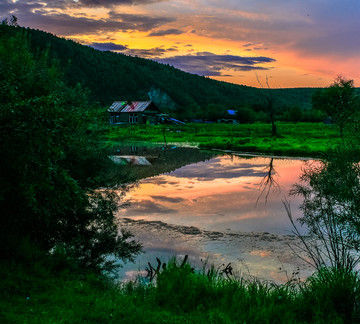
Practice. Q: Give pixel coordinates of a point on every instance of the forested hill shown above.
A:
(111, 76)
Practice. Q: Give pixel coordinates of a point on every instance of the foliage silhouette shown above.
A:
(331, 212)
(340, 101)
(51, 159)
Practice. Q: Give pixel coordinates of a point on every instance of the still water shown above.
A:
(225, 193)
(238, 197)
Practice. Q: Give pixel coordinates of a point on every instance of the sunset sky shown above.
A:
(303, 43)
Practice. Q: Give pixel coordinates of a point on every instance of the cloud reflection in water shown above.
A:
(218, 194)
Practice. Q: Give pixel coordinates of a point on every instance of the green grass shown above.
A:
(35, 288)
(43, 292)
(300, 139)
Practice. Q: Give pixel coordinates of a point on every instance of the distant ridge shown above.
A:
(111, 76)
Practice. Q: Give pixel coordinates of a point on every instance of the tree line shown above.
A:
(114, 76)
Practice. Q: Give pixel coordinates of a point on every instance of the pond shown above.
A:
(228, 208)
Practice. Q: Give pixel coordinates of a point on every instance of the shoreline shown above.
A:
(199, 146)
(260, 255)
(303, 139)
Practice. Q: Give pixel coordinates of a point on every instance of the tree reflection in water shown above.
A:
(269, 182)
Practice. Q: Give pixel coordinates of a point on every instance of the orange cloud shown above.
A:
(310, 42)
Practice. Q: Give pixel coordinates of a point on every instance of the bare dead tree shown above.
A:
(268, 99)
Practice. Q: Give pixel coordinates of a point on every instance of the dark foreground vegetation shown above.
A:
(59, 241)
(51, 291)
(52, 163)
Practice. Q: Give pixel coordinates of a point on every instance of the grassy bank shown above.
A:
(301, 139)
(43, 292)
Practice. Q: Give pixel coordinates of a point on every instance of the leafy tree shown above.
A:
(339, 101)
(215, 111)
(293, 114)
(50, 158)
(313, 115)
(331, 211)
(161, 99)
(246, 115)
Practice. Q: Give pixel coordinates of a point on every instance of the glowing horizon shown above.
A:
(303, 44)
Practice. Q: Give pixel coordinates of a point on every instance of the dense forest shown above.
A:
(113, 76)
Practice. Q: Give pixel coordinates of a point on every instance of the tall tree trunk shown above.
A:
(273, 128)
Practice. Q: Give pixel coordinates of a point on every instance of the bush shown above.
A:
(331, 293)
(50, 162)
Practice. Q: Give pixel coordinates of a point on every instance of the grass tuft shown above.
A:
(180, 294)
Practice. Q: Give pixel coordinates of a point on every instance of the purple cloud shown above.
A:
(150, 53)
(147, 207)
(166, 32)
(209, 64)
(108, 46)
(36, 15)
(64, 4)
(168, 199)
(111, 3)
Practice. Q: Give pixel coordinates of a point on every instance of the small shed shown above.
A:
(231, 117)
(133, 112)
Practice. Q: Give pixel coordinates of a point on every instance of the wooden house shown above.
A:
(133, 112)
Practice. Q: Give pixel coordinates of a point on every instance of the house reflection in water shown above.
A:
(144, 161)
(130, 159)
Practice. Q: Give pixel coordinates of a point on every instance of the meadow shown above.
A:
(293, 139)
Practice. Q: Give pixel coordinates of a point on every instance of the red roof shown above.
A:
(134, 106)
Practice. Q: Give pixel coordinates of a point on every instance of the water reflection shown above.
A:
(235, 204)
(225, 193)
(142, 161)
(269, 181)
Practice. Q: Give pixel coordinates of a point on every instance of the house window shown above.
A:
(133, 118)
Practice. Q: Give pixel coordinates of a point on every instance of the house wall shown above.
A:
(118, 118)
(134, 118)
